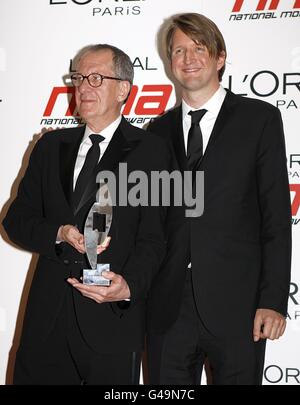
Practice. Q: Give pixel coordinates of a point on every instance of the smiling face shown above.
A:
(100, 106)
(193, 67)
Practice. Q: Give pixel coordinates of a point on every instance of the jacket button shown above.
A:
(66, 261)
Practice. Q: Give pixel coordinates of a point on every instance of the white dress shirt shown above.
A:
(86, 143)
(213, 106)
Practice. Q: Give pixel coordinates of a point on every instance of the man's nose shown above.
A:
(189, 56)
(84, 85)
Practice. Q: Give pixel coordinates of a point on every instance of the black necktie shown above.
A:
(87, 171)
(195, 141)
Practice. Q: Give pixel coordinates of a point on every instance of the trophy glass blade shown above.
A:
(91, 237)
(98, 224)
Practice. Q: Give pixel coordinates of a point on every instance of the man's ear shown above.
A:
(124, 90)
(221, 60)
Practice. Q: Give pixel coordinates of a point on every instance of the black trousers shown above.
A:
(64, 358)
(178, 356)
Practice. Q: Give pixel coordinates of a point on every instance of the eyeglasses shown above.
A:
(94, 79)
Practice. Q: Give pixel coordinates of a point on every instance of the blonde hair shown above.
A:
(201, 30)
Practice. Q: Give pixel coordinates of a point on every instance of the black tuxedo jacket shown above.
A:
(241, 246)
(136, 250)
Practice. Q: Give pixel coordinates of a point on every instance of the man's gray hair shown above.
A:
(123, 66)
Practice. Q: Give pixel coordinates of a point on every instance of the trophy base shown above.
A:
(94, 276)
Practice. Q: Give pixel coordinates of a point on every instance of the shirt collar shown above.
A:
(213, 105)
(106, 132)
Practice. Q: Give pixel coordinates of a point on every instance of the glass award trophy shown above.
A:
(96, 229)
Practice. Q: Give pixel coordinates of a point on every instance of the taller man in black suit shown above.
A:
(223, 287)
(74, 333)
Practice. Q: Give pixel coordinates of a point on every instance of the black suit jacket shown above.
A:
(136, 250)
(241, 246)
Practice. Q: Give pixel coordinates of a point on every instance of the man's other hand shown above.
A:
(71, 235)
(268, 324)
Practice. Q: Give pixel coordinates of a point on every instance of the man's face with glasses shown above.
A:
(99, 93)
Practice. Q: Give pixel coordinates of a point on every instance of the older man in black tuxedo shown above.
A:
(75, 333)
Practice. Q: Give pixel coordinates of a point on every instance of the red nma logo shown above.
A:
(153, 101)
(262, 4)
(295, 188)
(161, 98)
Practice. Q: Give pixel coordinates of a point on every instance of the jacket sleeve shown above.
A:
(275, 208)
(25, 222)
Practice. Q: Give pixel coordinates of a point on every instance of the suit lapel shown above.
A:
(178, 138)
(67, 158)
(123, 141)
(219, 128)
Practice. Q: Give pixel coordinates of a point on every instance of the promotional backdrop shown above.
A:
(39, 38)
